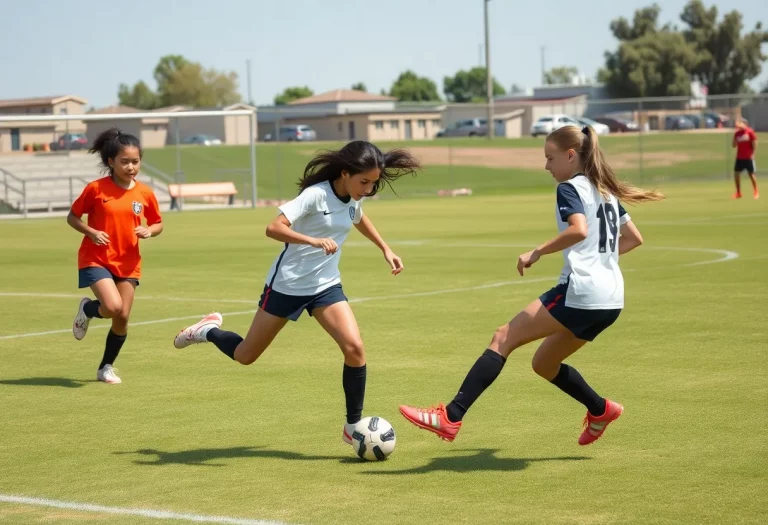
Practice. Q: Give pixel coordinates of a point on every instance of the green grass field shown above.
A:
(191, 432)
(694, 156)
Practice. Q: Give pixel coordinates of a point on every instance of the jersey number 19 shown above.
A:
(607, 213)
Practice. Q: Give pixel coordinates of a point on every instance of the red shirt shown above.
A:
(117, 212)
(744, 138)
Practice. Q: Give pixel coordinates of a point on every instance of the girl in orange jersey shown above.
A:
(109, 262)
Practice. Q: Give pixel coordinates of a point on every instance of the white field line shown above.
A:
(250, 312)
(129, 511)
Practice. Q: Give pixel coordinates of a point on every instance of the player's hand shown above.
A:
(142, 232)
(329, 246)
(527, 260)
(395, 262)
(99, 238)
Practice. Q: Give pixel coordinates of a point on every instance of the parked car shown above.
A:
(474, 127)
(549, 123)
(202, 140)
(70, 141)
(721, 121)
(600, 129)
(709, 122)
(678, 122)
(618, 125)
(300, 132)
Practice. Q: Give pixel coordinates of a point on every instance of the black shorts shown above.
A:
(92, 274)
(291, 306)
(747, 165)
(584, 324)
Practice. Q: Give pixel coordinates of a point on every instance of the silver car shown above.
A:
(474, 127)
(299, 132)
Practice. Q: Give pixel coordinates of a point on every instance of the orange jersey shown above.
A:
(117, 212)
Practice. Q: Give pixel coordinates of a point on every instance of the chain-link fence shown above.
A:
(207, 158)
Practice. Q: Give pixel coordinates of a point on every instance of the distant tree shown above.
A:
(139, 96)
(181, 82)
(290, 94)
(560, 75)
(469, 86)
(409, 87)
(725, 59)
(515, 89)
(359, 87)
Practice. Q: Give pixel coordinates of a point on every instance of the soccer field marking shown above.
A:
(129, 511)
(247, 312)
(143, 297)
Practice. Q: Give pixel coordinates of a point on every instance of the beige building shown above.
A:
(151, 132)
(352, 115)
(231, 129)
(15, 135)
(157, 132)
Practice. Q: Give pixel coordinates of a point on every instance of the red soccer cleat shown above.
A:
(594, 426)
(756, 195)
(737, 195)
(434, 419)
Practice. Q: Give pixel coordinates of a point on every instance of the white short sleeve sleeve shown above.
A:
(624, 217)
(358, 213)
(300, 206)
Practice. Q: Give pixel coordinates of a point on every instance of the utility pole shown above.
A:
(248, 75)
(489, 79)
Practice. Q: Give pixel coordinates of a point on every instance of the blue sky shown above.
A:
(88, 48)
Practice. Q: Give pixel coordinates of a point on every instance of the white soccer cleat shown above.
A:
(107, 374)
(196, 333)
(346, 434)
(81, 322)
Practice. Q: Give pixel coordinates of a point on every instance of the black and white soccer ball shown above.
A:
(373, 439)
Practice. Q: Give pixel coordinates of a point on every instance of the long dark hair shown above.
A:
(356, 157)
(111, 142)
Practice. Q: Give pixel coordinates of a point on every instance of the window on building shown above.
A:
(422, 123)
(341, 127)
(394, 124)
(436, 122)
(379, 124)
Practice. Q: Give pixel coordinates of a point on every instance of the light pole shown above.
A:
(489, 77)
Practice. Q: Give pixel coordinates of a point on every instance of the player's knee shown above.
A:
(112, 309)
(541, 366)
(354, 350)
(247, 355)
(501, 336)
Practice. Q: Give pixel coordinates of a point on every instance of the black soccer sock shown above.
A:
(484, 372)
(353, 381)
(91, 309)
(569, 380)
(112, 348)
(225, 341)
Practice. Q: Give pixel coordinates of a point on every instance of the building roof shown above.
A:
(39, 101)
(342, 95)
(111, 110)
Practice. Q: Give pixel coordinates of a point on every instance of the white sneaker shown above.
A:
(108, 375)
(80, 325)
(196, 333)
(346, 434)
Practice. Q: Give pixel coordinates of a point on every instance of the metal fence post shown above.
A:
(24, 196)
(71, 200)
(640, 138)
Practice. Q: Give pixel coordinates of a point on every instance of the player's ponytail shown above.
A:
(596, 168)
(356, 157)
(111, 142)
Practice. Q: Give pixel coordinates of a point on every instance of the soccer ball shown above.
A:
(373, 439)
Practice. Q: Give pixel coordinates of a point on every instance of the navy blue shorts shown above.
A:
(584, 324)
(88, 276)
(747, 165)
(291, 306)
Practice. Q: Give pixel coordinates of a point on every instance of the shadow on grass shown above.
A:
(483, 459)
(205, 456)
(63, 382)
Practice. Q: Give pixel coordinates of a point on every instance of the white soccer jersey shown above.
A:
(592, 265)
(317, 212)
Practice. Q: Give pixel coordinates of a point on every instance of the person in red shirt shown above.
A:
(745, 142)
(109, 261)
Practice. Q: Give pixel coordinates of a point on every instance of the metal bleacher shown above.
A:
(50, 182)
